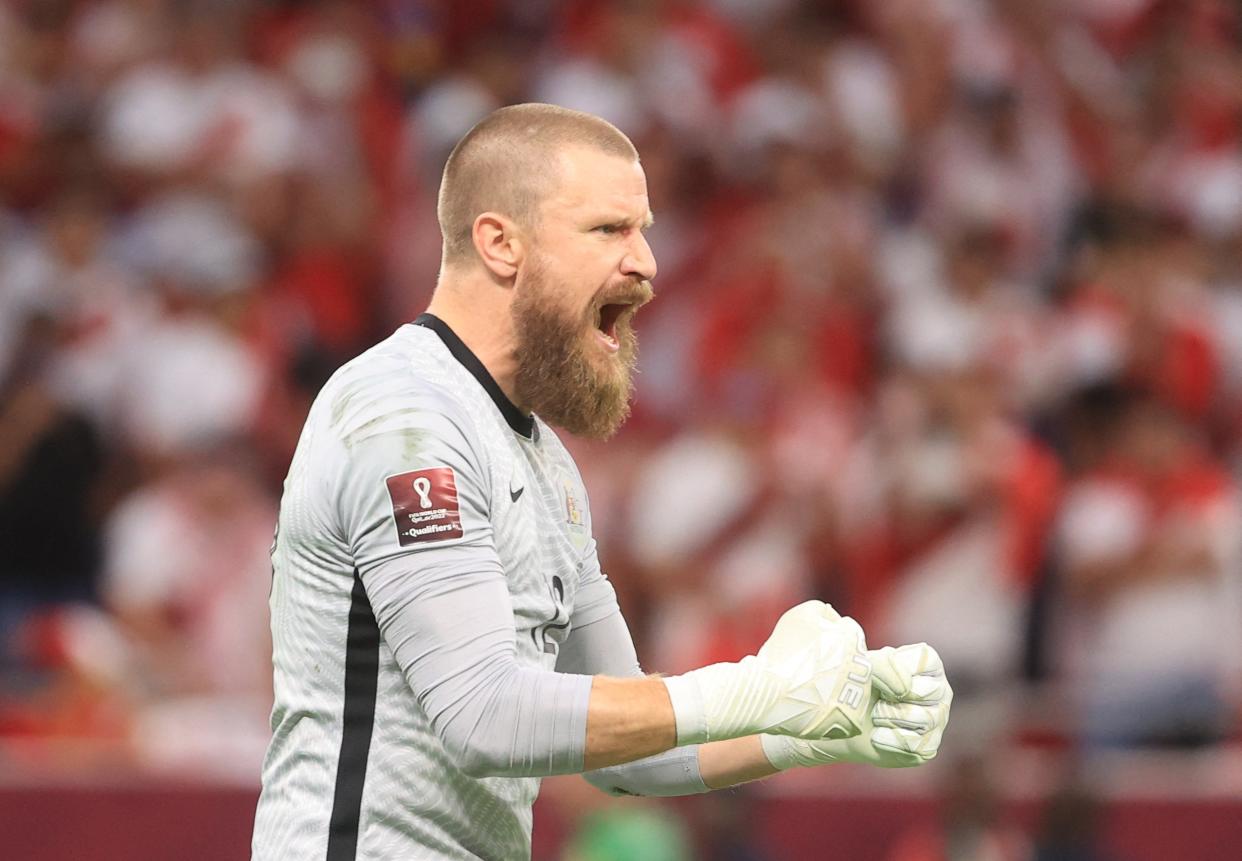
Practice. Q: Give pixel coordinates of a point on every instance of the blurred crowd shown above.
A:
(948, 333)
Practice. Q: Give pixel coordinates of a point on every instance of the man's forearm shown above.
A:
(628, 719)
(632, 719)
(687, 770)
(733, 761)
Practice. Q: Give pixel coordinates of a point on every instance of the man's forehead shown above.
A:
(593, 178)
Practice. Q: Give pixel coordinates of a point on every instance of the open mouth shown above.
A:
(606, 319)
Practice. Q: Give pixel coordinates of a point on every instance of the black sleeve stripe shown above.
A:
(361, 683)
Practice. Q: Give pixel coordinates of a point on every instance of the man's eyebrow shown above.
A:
(627, 221)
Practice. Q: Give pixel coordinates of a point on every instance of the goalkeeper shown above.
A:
(443, 635)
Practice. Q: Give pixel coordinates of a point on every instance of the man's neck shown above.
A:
(482, 325)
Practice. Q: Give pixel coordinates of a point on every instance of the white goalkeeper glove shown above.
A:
(812, 678)
(907, 712)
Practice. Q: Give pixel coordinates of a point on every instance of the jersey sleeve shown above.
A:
(600, 643)
(595, 598)
(414, 509)
(412, 481)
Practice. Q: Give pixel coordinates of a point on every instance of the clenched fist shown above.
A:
(907, 711)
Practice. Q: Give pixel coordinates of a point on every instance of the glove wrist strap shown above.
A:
(689, 709)
(779, 750)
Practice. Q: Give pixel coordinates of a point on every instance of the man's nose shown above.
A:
(639, 260)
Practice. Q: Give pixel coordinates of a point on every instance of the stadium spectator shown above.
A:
(1149, 553)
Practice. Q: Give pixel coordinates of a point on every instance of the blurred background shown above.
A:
(948, 333)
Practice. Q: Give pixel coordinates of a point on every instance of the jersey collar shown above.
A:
(518, 420)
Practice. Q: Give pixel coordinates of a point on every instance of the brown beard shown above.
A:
(557, 377)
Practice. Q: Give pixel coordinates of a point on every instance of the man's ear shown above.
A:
(499, 244)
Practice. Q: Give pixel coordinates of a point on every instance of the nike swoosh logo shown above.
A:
(514, 494)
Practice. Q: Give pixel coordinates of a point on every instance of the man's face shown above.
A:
(586, 274)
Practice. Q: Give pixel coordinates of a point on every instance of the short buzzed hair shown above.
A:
(507, 164)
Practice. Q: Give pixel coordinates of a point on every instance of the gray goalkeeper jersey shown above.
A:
(433, 551)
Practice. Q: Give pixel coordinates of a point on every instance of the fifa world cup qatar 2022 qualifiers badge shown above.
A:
(424, 505)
